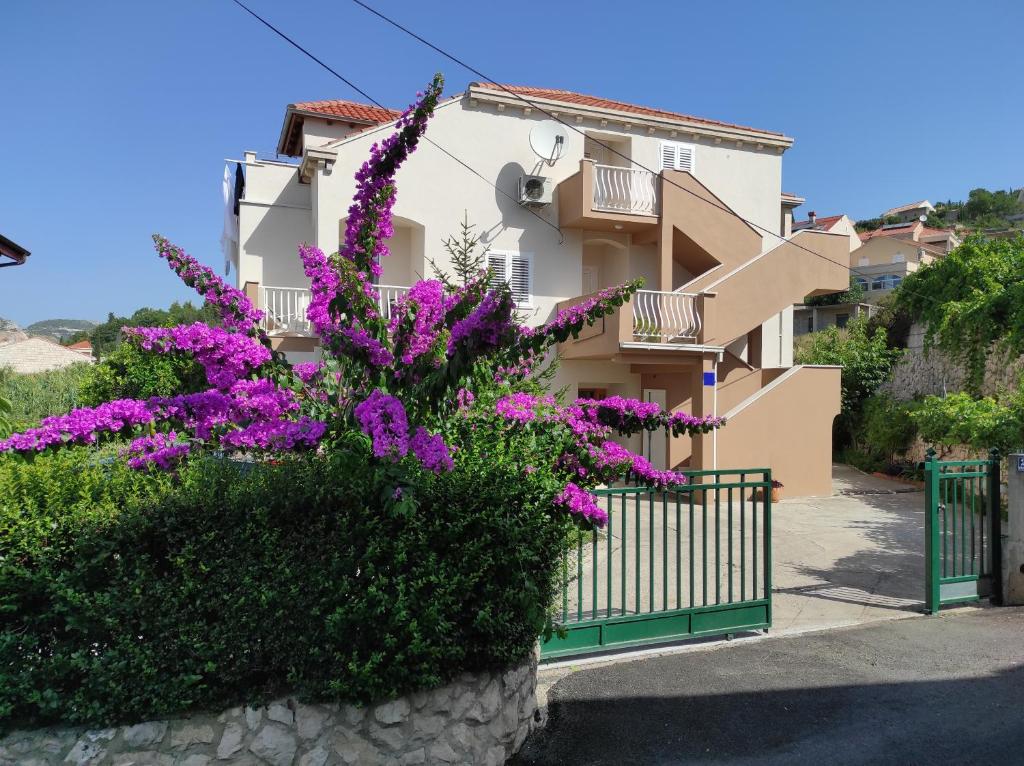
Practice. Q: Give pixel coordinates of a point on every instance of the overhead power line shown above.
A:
(540, 108)
(377, 103)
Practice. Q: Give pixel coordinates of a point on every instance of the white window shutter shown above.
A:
(520, 269)
(496, 263)
(668, 155)
(516, 270)
(677, 156)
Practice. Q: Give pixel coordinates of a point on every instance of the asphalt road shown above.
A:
(945, 689)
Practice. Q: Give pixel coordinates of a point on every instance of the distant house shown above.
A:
(911, 212)
(83, 347)
(882, 263)
(11, 253)
(837, 224)
(813, 318)
(943, 239)
(38, 355)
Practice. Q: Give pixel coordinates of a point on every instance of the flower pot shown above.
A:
(776, 494)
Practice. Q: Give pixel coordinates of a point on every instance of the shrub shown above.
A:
(887, 427)
(867, 362)
(124, 601)
(980, 423)
(129, 373)
(35, 396)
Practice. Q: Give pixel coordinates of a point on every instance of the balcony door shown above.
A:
(655, 443)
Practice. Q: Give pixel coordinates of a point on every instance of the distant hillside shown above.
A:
(7, 325)
(58, 329)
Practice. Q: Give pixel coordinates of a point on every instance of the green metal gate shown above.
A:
(692, 560)
(963, 527)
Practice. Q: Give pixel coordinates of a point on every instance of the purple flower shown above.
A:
(226, 356)
(161, 450)
(382, 417)
(431, 451)
(580, 502)
(235, 309)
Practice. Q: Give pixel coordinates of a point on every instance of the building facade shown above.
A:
(632, 193)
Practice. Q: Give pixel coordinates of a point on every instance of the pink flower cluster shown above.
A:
(486, 325)
(580, 502)
(382, 417)
(80, 426)
(251, 414)
(226, 356)
(161, 450)
(369, 217)
(425, 306)
(235, 309)
(431, 451)
(521, 407)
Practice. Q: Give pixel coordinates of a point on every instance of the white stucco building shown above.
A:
(636, 193)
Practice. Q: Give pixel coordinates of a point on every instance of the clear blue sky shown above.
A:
(117, 115)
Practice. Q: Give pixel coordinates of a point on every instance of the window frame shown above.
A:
(509, 257)
(676, 145)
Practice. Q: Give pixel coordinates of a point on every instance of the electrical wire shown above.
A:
(377, 103)
(613, 150)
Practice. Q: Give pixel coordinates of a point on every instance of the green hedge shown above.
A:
(127, 596)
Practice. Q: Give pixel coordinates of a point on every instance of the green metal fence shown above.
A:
(962, 531)
(692, 560)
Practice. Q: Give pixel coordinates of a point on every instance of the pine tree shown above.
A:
(466, 262)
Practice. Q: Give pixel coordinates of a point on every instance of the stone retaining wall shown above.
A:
(477, 719)
(921, 373)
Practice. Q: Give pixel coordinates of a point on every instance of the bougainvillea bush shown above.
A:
(386, 517)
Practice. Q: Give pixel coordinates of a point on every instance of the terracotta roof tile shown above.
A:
(571, 97)
(348, 110)
(823, 223)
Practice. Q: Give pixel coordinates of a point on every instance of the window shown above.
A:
(810, 323)
(899, 258)
(676, 156)
(886, 282)
(517, 270)
(842, 320)
(592, 393)
(862, 282)
(862, 262)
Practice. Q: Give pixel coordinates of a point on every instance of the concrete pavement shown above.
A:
(854, 557)
(924, 690)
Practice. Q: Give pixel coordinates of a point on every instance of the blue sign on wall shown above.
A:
(709, 378)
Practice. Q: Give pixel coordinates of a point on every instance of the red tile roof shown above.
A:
(571, 97)
(915, 229)
(823, 223)
(83, 344)
(347, 110)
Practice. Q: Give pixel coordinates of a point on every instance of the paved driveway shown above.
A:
(943, 689)
(854, 557)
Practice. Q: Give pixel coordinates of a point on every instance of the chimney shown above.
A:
(811, 216)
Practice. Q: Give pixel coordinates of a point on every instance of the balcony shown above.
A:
(652, 321)
(609, 198)
(284, 308)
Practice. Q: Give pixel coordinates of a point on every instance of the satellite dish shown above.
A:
(548, 140)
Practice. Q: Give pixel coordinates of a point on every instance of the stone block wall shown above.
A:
(922, 373)
(477, 719)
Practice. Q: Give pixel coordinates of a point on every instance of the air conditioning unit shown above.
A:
(536, 190)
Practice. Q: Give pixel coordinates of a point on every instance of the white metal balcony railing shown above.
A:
(625, 190)
(660, 317)
(285, 308)
(389, 296)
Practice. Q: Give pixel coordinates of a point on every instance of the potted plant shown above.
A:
(776, 490)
